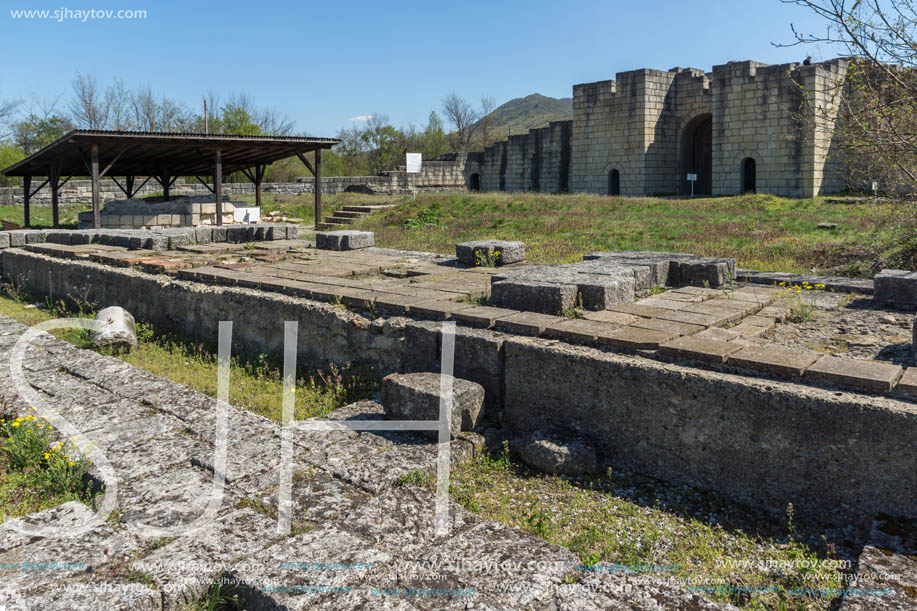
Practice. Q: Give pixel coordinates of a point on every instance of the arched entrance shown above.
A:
(474, 182)
(614, 183)
(697, 153)
(749, 175)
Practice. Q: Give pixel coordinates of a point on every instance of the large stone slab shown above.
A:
(416, 396)
(527, 323)
(699, 349)
(501, 252)
(776, 360)
(896, 288)
(868, 376)
(344, 240)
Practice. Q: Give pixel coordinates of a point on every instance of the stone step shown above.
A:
(340, 220)
(350, 213)
(367, 209)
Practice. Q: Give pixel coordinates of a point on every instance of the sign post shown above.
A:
(692, 178)
(413, 164)
(875, 191)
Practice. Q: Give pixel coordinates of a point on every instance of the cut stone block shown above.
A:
(634, 338)
(17, 238)
(618, 319)
(581, 331)
(719, 334)
(723, 314)
(438, 310)
(658, 324)
(699, 349)
(603, 292)
(774, 359)
(896, 288)
(662, 304)
(639, 309)
(344, 240)
(908, 382)
(481, 316)
(533, 296)
(4, 240)
(709, 271)
(416, 396)
(748, 330)
(527, 323)
(695, 318)
(501, 252)
(868, 376)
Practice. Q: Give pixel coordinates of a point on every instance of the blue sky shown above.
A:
(322, 63)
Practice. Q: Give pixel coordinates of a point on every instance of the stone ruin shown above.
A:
(604, 279)
(154, 213)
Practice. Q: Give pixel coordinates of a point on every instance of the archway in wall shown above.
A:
(749, 175)
(474, 182)
(614, 183)
(697, 153)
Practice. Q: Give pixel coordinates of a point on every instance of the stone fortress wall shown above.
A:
(742, 127)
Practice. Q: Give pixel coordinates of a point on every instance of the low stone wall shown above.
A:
(763, 442)
(837, 456)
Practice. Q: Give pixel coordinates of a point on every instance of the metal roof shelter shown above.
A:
(163, 157)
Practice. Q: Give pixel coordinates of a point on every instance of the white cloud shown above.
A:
(361, 118)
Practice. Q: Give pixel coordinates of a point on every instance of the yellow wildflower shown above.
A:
(15, 424)
(70, 463)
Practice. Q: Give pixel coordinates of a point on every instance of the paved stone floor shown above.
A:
(355, 529)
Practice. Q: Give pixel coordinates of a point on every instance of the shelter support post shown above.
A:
(318, 187)
(26, 196)
(218, 184)
(54, 178)
(96, 195)
(259, 178)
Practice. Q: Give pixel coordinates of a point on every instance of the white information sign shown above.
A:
(413, 162)
(692, 177)
(875, 186)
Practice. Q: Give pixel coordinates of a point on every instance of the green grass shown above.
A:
(255, 381)
(625, 520)
(762, 232)
(40, 216)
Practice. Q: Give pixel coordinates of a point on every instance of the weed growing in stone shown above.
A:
(37, 472)
(486, 258)
(415, 478)
(801, 300)
(222, 595)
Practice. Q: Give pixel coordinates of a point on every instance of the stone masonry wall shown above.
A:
(837, 456)
(642, 124)
(536, 161)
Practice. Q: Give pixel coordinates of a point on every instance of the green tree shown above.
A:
(433, 141)
(34, 132)
(9, 154)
